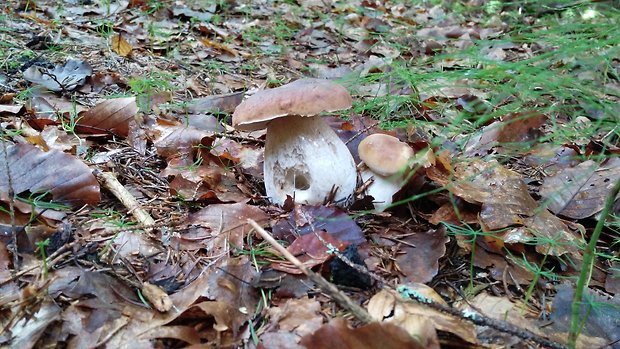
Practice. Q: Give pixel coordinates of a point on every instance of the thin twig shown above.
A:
(124, 196)
(330, 289)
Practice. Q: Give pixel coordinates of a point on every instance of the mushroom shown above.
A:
(304, 158)
(387, 162)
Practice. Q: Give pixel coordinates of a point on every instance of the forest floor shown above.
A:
(127, 196)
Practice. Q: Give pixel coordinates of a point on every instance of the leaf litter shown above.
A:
(491, 225)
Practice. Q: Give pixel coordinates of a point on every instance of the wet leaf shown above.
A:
(66, 178)
(310, 250)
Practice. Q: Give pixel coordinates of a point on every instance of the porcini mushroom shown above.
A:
(387, 162)
(304, 158)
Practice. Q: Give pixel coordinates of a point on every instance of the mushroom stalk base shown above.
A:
(304, 158)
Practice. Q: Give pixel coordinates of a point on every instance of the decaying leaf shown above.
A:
(63, 77)
(66, 178)
(580, 191)
(300, 316)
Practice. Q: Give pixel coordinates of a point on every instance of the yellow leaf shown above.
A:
(121, 46)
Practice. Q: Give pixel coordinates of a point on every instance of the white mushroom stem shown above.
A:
(382, 188)
(304, 158)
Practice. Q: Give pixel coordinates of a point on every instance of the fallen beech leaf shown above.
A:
(580, 192)
(337, 334)
(121, 46)
(112, 115)
(218, 46)
(173, 139)
(10, 109)
(599, 315)
(68, 179)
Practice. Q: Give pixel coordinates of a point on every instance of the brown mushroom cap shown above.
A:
(385, 155)
(305, 97)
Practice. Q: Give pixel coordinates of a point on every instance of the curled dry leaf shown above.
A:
(66, 178)
(62, 78)
(157, 297)
(580, 192)
(112, 115)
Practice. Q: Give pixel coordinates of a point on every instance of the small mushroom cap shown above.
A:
(385, 155)
(304, 97)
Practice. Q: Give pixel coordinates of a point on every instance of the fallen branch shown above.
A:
(330, 289)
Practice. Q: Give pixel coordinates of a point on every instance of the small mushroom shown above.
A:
(387, 162)
(304, 158)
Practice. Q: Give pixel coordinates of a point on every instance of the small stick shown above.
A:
(342, 299)
(124, 196)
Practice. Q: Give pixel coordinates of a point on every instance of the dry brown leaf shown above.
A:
(338, 334)
(121, 46)
(112, 115)
(65, 177)
(388, 306)
(310, 250)
(419, 255)
(580, 192)
(300, 316)
(506, 203)
(219, 227)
